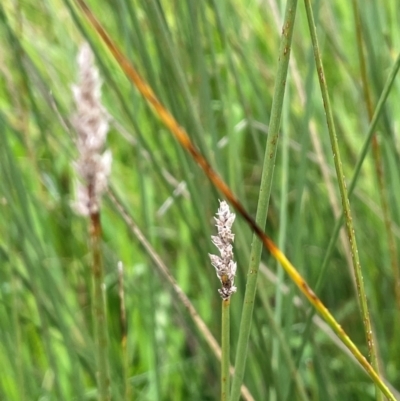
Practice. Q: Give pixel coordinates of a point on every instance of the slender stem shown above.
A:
(343, 191)
(264, 196)
(376, 151)
(335, 232)
(164, 271)
(282, 342)
(99, 310)
(225, 348)
(372, 127)
(124, 331)
(16, 307)
(282, 230)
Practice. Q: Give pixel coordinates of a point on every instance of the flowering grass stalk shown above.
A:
(226, 269)
(93, 167)
(165, 273)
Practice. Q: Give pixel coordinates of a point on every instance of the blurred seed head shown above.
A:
(91, 124)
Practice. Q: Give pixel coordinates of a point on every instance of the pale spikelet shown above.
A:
(91, 125)
(224, 264)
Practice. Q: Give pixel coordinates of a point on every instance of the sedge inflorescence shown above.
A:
(91, 124)
(224, 265)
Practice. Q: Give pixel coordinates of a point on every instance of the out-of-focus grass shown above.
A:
(213, 66)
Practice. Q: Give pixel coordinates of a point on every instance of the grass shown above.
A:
(213, 65)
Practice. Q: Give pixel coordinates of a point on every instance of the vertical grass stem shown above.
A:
(225, 349)
(99, 310)
(343, 191)
(264, 195)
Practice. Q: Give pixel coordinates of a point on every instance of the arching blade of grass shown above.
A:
(181, 135)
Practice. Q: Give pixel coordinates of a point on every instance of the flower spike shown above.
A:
(224, 265)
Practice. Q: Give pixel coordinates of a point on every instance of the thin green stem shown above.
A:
(282, 229)
(343, 191)
(285, 349)
(18, 343)
(264, 196)
(376, 151)
(225, 348)
(377, 154)
(124, 332)
(166, 274)
(99, 310)
(335, 232)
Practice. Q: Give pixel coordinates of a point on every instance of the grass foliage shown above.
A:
(213, 65)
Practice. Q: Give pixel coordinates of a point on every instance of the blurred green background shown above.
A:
(213, 64)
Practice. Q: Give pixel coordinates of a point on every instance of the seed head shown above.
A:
(91, 125)
(224, 265)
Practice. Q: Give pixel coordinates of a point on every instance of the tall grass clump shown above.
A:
(284, 110)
